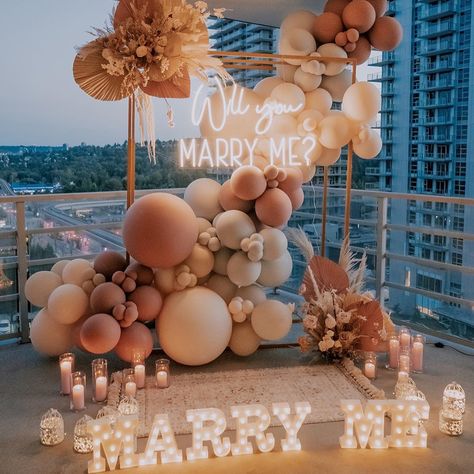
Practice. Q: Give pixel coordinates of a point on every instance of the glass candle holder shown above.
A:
(404, 337)
(51, 428)
(454, 398)
(405, 387)
(451, 422)
(162, 373)
(127, 406)
(111, 413)
(129, 386)
(66, 368)
(83, 442)
(370, 365)
(100, 380)
(393, 352)
(78, 390)
(404, 360)
(138, 364)
(417, 350)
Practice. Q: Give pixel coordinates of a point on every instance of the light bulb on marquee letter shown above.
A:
(407, 431)
(166, 445)
(291, 423)
(246, 428)
(210, 432)
(117, 443)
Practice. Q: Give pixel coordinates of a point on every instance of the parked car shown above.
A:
(5, 327)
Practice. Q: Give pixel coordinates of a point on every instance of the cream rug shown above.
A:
(321, 385)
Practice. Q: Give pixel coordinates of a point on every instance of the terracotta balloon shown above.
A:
(380, 7)
(362, 50)
(241, 271)
(40, 285)
(148, 301)
(386, 34)
(203, 197)
(109, 262)
(200, 261)
(229, 201)
(326, 27)
(362, 102)
(67, 303)
(273, 208)
(137, 336)
(276, 272)
(48, 336)
(294, 180)
(265, 86)
(222, 286)
(271, 320)
(297, 198)
(106, 296)
(220, 260)
(160, 230)
(359, 14)
(329, 156)
(144, 274)
(337, 85)
(232, 227)
(244, 340)
(336, 6)
(253, 293)
(248, 183)
(319, 100)
(100, 333)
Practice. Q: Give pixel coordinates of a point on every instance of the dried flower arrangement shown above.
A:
(339, 318)
(151, 48)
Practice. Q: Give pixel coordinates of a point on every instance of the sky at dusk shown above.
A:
(40, 104)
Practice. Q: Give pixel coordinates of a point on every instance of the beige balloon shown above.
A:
(203, 197)
(298, 19)
(244, 340)
(221, 258)
(306, 81)
(58, 267)
(68, 303)
(319, 100)
(241, 271)
(271, 320)
(203, 224)
(200, 261)
(286, 72)
(253, 293)
(337, 85)
(77, 271)
(221, 285)
(362, 102)
(274, 243)
(232, 227)
(265, 87)
(332, 50)
(335, 131)
(296, 42)
(290, 95)
(164, 280)
(370, 148)
(328, 156)
(276, 272)
(40, 285)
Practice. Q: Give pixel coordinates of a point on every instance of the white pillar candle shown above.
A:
(66, 370)
(417, 356)
(369, 370)
(78, 397)
(404, 363)
(100, 389)
(405, 340)
(394, 350)
(140, 375)
(162, 379)
(131, 389)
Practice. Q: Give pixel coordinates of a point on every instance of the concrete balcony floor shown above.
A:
(29, 386)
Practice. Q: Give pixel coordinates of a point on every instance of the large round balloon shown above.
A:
(248, 183)
(40, 285)
(221, 285)
(148, 301)
(298, 19)
(386, 34)
(100, 333)
(244, 340)
(203, 197)
(200, 261)
(332, 50)
(160, 230)
(58, 267)
(229, 201)
(194, 326)
(276, 272)
(77, 271)
(362, 102)
(296, 42)
(335, 131)
(291, 96)
(274, 243)
(326, 27)
(67, 303)
(48, 336)
(253, 293)
(144, 275)
(370, 147)
(265, 86)
(137, 336)
(242, 271)
(359, 14)
(337, 85)
(105, 296)
(271, 320)
(232, 227)
(109, 262)
(319, 100)
(273, 208)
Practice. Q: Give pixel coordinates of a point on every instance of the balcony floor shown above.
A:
(28, 387)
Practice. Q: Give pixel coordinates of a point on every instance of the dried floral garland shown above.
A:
(339, 318)
(151, 48)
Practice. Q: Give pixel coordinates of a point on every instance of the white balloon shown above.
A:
(276, 272)
(68, 303)
(203, 197)
(298, 19)
(319, 100)
(307, 81)
(274, 243)
(203, 224)
(271, 320)
(233, 226)
(369, 148)
(297, 42)
(244, 340)
(265, 87)
(362, 102)
(40, 285)
(332, 50)
(337, 85)
(290, 95)
(242, 271)
(194, 326)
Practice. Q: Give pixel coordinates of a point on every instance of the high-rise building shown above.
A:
(427, 89)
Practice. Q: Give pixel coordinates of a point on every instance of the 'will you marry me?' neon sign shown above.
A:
(231, 150)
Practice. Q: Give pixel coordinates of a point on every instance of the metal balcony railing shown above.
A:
(82, 225)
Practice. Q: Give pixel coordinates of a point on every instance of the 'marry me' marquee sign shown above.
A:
(115, 445)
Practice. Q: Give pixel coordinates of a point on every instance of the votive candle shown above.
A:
(370, 365)
(66, 368)
(99, 380)
(78, 389)
(129, 385)
(405, 338)
(162, 373)
(417, 353)
(394, 352)
(138, 364)
(404, 361)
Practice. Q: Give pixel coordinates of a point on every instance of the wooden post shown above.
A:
(131, 152)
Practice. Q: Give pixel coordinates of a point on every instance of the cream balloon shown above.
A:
(276, 272)
(242, 271)
(203, 197)
(265, 87)
(221, 258)
(48, 336)
(77, 271)
(221, 285)
(332, 50)
(232, 227)
(308, 172)
(164, 280)
(40, 285)
(58, 267)
(203, 224)
(200, 261)
(286, 72)
(319, 100)
(244, 340)
(362, 102)
(68, 303)
(282, 125)
(274, 243)
(271, 320)
(296, 42)
(298, 19)
(290, 95)
(253, 293)
(328, 156)
(194, 326)
(306, 81)
(335, 131)
(337, 85)
(369, 148)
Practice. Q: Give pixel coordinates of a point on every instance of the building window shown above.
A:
(426, 238)
(460, 169)
(426, 253)
(459, 187)
(429, 283)
(458, 244)
(427, 219)
(439, 256)
(439, 240)
(456, 258)
(458, 223)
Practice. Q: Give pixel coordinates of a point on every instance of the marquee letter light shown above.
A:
(365, 423)
(291, 422)
(167, 444)
(207, 432)
(121, 439)
(407, 427)
(246, 428)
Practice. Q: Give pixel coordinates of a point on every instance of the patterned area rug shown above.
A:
(321, 385)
